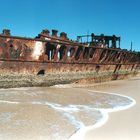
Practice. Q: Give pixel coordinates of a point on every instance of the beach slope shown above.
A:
(122, 125)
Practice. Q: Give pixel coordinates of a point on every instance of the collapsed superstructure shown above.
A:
(53, 54)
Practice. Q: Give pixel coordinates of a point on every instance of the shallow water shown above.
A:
(54, 113)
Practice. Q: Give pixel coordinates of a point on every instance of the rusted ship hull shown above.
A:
(59, 60)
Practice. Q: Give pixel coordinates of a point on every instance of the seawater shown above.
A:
(42, 114)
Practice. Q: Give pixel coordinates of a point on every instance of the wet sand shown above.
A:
(58, 112)
(122, 125)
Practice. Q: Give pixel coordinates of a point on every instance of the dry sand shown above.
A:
(122, 125)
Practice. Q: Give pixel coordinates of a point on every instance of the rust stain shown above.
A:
(59, 53)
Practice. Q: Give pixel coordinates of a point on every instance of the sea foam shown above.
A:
(105, 115)
(68, 112)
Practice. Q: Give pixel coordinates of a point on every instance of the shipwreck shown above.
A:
(51, 59)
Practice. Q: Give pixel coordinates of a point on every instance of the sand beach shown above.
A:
(68, 112)
(121, 125)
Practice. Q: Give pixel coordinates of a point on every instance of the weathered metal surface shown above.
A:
(59, 54)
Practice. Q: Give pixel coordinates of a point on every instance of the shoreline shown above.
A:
(121, 123)
(79, 134)
(105, 112)
(72, 105)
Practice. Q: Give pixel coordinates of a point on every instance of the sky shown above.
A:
(75, 17)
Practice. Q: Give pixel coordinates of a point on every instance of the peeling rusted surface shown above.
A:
(53, 54)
